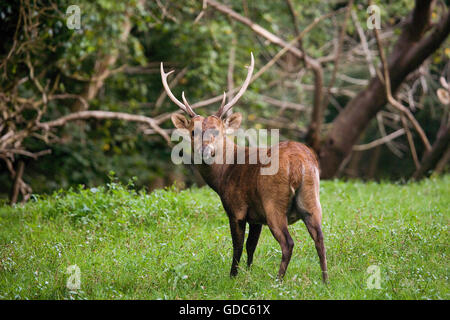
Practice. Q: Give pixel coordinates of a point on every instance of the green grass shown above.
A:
(174, 244)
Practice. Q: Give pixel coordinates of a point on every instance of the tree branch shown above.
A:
(311, 63)
(390, 98)
(313, 136)
(84, 115)
(383, 140)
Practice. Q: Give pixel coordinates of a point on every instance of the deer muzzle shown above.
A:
(208, 151)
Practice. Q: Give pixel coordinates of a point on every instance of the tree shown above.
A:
(82, 95)
(416, 43)
(418, 40)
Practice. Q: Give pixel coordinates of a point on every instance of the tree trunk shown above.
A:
(432, 157)
(440, 167)
(373, 166)
(352, 170)
(17, 180)
(407, 55)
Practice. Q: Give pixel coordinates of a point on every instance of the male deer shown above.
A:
(292, 193)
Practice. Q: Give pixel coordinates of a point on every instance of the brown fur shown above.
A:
(274, 200)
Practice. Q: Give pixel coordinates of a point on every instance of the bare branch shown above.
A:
(283, 104)
(310, 62)
(364, 44)
(337, 54)
(70, 96)
(410, 142)
(230, 73)
(389, 143)
(202, 12)
(383, 140)
(84, 115)
(391, 99)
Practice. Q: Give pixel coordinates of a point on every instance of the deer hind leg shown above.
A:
(314, 229)
(277, 222)
(252, 241)
(307, 202)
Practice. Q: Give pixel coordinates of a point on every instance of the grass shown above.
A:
(174, 244)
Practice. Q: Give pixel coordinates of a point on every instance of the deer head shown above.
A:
(213, 129)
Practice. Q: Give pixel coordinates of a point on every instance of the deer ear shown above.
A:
(233, 122)
(180, 121)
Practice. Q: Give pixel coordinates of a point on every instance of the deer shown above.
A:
(249, 197)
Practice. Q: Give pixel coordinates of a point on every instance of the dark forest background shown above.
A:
(79, 104)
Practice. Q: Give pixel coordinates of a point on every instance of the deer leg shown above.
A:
(252, 241)
(281, 234)
(308, 204)
(237, 234)
(315, 231)
(278, 224)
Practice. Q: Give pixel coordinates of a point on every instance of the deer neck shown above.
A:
(214, 173)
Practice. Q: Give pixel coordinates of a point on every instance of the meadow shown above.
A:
(176, 244)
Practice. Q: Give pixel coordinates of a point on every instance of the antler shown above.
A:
(224, 108)
(183, 106)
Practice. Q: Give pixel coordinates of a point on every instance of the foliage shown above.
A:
(173, 244)
(166, 31)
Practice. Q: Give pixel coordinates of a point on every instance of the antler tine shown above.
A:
(224, 108)
(218, 113)
(223, 100)
(186, 108)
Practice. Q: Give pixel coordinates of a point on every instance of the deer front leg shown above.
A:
(252, 241)
(237, 234)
